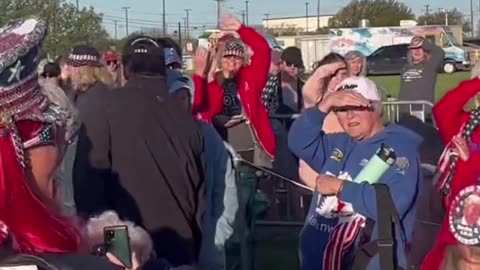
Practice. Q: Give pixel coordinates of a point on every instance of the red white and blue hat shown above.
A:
(84, 55)
(20, 93)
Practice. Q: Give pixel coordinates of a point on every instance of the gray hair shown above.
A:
(140, 240)
(57, 97)
(356, 54)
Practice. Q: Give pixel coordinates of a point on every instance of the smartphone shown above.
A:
(117, 242)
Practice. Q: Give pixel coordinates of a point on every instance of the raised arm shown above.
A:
(436, 55)
(307, 140)
(314, 87)
(208, 94)
(449, 112)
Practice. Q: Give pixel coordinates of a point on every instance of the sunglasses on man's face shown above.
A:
(288, 64)
(109, 63)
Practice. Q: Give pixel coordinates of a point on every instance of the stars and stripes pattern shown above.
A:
(79, 60)
(448, 159)
(341, 239)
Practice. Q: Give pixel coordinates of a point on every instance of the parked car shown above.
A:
(390, 60)
(387, 60)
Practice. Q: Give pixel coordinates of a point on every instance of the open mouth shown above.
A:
(354, 124)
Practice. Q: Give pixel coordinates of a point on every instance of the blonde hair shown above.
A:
(353, 55)
(140, 240)
(86, 76)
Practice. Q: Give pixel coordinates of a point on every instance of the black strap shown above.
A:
(387, 217)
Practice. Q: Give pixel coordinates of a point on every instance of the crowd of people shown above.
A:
(96, 140)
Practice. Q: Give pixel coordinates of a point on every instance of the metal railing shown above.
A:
(392, 109)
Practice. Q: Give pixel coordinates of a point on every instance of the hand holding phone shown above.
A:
(117, 245)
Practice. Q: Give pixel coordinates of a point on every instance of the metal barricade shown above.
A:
(241, 250)
(392, 111)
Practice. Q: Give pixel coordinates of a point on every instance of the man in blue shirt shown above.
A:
(340, 207)
(222, 198)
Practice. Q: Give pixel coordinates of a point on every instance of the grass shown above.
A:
(445, 83)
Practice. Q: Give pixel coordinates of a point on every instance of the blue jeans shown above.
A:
(222, 201)
(64, 176)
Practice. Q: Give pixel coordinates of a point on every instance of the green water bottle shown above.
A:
(377, 165)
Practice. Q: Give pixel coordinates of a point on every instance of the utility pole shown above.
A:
(126, 19)
(427, 10)
(219, 11)
(243, 16)
(306, 16)
(318, 15)
(266, 19)
(115, 23)
(164, 22)
(78, 6)
(471, 18)
(187, 23)
(184, 28)
(180, 34)
(445, 12)
(246, 12)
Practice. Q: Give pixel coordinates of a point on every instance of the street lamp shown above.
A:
(306, 16)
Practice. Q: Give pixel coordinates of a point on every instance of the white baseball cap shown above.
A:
(362, 85)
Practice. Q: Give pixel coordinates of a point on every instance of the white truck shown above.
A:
(367, 40)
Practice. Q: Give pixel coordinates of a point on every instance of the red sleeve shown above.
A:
(449, 113)
(199, 95)
(207, 98)
(257, 72)
(215, 98)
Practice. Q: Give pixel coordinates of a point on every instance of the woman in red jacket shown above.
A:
(235, 92)
(459, 167)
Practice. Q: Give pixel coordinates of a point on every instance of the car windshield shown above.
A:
(452, 39)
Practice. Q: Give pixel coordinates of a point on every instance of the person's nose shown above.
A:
(350, 115)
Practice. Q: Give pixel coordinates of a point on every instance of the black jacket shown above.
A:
(141, 154)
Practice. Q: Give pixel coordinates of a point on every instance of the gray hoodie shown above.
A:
(418, 80)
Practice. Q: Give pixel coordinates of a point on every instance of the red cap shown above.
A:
(110, 56)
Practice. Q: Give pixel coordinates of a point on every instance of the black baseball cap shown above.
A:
(293, 56)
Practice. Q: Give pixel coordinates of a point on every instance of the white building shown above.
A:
(303, 24)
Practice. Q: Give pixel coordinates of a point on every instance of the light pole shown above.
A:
(164, 22)
(219, 11)
(246, 12)
(318, 14)
(306, 16)
(187, 26)
(266, 19)
(471, 18)
(126, 18)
